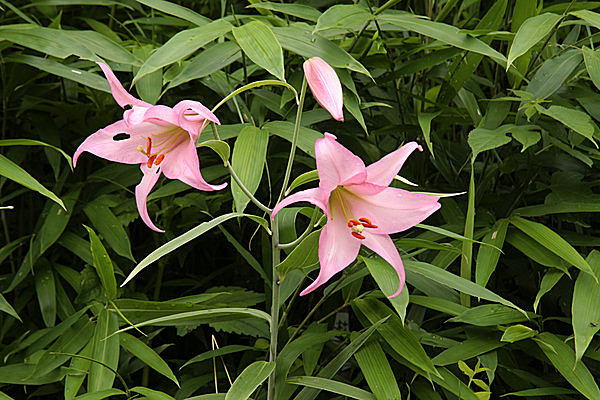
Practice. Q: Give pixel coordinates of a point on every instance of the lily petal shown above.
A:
(313, 196)
(122, 96)
(383, 171)
(337, 165)
(337, 249)
(142, 190)
(325, 86)
(161, 115)
(191, 115)
(392, 210)
(181, 162)
(385, 247)
(103, 144)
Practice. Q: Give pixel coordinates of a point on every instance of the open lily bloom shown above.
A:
(159, 138)
(360, 206)
(325, 86)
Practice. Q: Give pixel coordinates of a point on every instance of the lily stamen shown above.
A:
(151, 161)
(358, 235)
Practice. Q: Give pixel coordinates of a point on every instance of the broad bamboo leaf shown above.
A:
(7, 308)
(151, 394)
(46, 294)
(260, 44)
(467, 349)
(377, 371)
(387, 280)
(250, 378)
(489, 315)
(176, 10)
(488, 256)
(248, 161)
(532, 31)
(517, 332)
(329, 385)
(109, 227)
(297, 10)
(585, 307)
(303, 255)
(106, 351)
(146, 354)
(103, 265)
(344, 16)
(576, 120)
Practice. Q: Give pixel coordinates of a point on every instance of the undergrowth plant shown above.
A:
(271, 247)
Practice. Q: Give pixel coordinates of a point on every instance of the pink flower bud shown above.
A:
(325, 86)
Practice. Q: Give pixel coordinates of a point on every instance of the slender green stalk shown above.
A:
(237, 179)
(288, 170)
(306, 232)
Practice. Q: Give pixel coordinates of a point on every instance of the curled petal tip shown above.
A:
(325, 86)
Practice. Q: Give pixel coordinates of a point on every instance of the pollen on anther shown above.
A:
(149, 145)
(357, 235)
(159, 159)
(365, 220)
(151, 161)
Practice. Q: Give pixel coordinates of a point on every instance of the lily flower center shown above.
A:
(356, 225)
(156, 149)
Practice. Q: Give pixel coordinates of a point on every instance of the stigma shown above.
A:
(357, 228)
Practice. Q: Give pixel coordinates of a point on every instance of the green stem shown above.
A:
(237, 180)
(288, 170)
(274, 327)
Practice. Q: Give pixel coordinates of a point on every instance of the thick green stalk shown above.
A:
(276, 256)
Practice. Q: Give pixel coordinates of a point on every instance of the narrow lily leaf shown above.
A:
(103, 265)
(7, 308)
(73, 382)
(250, 378)
(342, 357)
(488, 256)
(248, 161)
(387, 280)
(303, 255)
(329, 385)
(218, 146)
(101, 394)
(140, 350)
(378, 373)
(545, 391)
(31, 142)
(106, 351)
(180, 241)
(449, 279)
(306, 177)
(489, 315)
(109, 227)
(260, 44)
(46, 294)
(181, 45)
(553, 242)
(176, 10)
(562, 356)
(550, 279)
(532, 31)
(234, 348)
(15, 173)
(465, 350)
(297, 10)
(585, 307)
(151, 394)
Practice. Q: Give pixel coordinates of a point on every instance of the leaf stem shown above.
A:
(306, 232)
(237, 180)
(274, 326)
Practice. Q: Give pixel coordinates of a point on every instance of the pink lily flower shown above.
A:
(360, 206)
(325, 86)
(159, 138)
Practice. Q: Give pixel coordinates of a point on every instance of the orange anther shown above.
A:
(151, 161)
(350, 224)
(370, 226)
(149, 146)
(353, 222)
(159, 159)
(365, 221)
(357, 235)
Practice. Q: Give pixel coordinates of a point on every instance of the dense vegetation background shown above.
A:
(502, 95)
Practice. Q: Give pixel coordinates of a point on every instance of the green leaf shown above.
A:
(302, 41)
(260, 45)
(221, 351)
(31, 142)
(562, 357)
(332, 386)
(182, 45)
(151, 394)
(101, 394)
(306, 177)
(73, 382)
(553, 74)
(445, 33)
(545, 391)
(351, 17)
(527, 135)
(109, 227)
(180, 241)
(15, 173)
(449, 279)
(590, 17)
(210, 60)
(377, 371)
(396, 334)
(250, 378)
(218, 146)
(176, 10)
(489, 314)
(488, 256)
(550, 279)
(303, 255)
(106, 351)
(481, 139)
(553, 242)
(342, 357)
(146, 354)
(425, 124)
(103, 265)
(517, 332)
(585, 307)
(7, 308)
(248, 161)
(592, 64)
(467, 349)
(576, 120)
(46, 294)
(535, 251)
(387, 280)
(306, 137)
(532, 31)
(297, 10)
